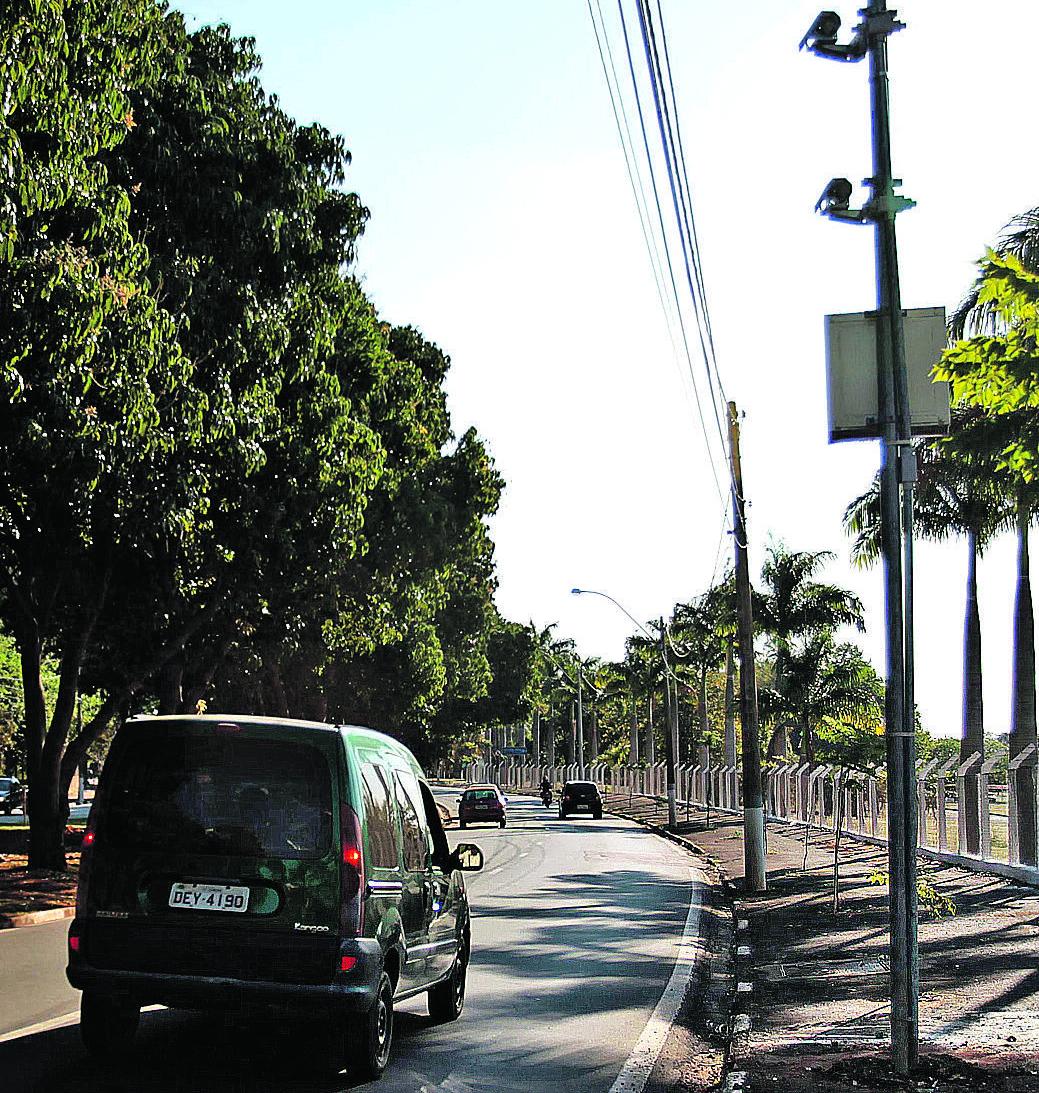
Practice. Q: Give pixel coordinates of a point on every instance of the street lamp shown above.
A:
(669, 739)
(898, 472)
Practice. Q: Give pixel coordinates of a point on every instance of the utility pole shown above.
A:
(580, 718)
(633, 752)
(669, 736)
(897, 475)
(753, 798)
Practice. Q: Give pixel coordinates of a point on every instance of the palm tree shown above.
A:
(823, 679)
(794, 608)
(975, 315)
(699, 640)
(981, 314)
(954, 495)
(647, 671)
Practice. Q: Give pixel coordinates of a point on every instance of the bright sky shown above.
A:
(504, 227)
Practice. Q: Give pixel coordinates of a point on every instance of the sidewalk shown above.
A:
(811, 998)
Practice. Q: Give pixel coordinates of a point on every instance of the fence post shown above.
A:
(922, 774)
(1013, 830)
(961, 797)
(817, 784)
(942, 797)
(984, 811)
(803, 790)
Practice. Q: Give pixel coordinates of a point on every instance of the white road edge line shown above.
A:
(41, 1026)
(636, 1071)
(54, 1023)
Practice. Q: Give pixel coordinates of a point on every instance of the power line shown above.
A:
(664, 237)
(678, 202)
(642, 203)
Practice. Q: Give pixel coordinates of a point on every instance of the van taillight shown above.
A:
(86, 854)
(351, 874)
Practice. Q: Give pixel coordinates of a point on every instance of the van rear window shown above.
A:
(220, 795)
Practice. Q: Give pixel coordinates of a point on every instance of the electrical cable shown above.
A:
(674, 154)
(664, 239)
(667, 141)
(684, 175)
(635, 180)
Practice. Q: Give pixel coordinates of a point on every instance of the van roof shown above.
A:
(358, 734)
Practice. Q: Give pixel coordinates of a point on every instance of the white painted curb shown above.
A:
(636, 1071)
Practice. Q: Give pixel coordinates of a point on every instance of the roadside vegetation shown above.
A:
(227, 482)
(225, 479)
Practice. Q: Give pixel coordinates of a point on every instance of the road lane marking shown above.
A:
(636, 1071)
(41, 1026)
(53, 1023)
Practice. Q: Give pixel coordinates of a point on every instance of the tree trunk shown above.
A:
(280, 701)
(633, 745)
(701, 705)
(593, 735)
(973, 739)
(730, 707)
(170, 686)
(47, 805)
(651, 743)
(1022, 725)
(838, 813)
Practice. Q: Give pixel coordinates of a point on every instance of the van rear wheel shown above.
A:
(370, 1035)
(446, 999)
(107, 1025)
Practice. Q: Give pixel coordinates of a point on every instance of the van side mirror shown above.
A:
(468, 857)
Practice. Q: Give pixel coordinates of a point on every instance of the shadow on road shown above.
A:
(179, 1052)
(550, 964)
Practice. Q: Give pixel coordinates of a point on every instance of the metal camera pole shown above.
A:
(897, 475)
(898, 472)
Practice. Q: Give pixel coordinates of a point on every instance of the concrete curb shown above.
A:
(35, 918)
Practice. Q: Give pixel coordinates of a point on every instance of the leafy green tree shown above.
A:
(856, 747)
(93, 409)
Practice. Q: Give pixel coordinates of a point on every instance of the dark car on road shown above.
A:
(249, 864)
(580, 797)
(12, 795)
(482, 805)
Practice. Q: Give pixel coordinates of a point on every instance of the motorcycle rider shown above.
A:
(546, 790)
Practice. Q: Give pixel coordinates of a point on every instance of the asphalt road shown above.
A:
(576, 928)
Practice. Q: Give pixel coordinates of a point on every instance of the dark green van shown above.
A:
(248, 862)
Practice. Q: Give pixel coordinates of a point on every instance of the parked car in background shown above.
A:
(258, 864)
(482, 804)
(580, 798)
(12, 795)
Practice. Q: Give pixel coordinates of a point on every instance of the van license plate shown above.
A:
(209, 897)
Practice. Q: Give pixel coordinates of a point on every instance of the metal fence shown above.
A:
(819, 796)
